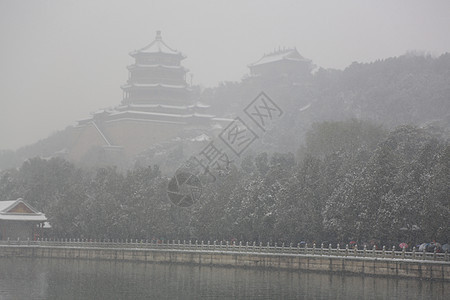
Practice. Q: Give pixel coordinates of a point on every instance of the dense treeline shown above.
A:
(351, 181)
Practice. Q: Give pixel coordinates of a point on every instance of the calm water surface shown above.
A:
(24, 278)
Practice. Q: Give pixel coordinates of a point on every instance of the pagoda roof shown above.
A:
(290, 54)
(156, 66)
(163, 85)
(157, 46)
(19, 210)
(144, 113)
(149, 106)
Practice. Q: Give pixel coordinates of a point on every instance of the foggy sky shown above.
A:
(61, 60)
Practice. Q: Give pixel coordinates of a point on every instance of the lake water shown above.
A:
(25, 278)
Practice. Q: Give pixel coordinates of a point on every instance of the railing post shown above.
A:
(214, 245)
(355, 250)
(298, 248)
(338, 249)
(403, 252)
(268, 245)
(246, 246)
(228, 244)
(365, 250)
(321, 248)
(329, 249)
(282, 247)
(414, 252)
(393, 251)
(384, 251)
(374, 250)
(434, 253)
(424, 254)
(260, 246)
(314, 249)
(240, 245)
(254, 244)
(346, 249)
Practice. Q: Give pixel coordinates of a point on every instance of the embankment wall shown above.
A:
(436, 270)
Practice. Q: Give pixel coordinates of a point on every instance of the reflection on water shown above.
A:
(22, 278)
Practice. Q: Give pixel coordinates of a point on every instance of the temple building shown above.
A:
(158, 105)
(157, 76)
(18, 220)
(286, 62)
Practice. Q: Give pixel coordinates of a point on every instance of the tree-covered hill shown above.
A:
(407, 90)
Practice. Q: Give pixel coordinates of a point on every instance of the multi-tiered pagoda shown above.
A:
(156, 76)
(158, 105)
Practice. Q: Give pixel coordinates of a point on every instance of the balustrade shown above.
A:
(242, 247)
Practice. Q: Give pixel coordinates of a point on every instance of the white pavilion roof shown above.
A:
(157, 46)
(7, 212)
(163, 85)
(285, 54)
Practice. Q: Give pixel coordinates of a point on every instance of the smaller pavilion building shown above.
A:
(286, 63)
(18, 220)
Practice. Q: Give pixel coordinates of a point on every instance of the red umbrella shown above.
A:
(403, 245)
(352, 242)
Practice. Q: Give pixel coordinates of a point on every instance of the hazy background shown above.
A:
(61, 60)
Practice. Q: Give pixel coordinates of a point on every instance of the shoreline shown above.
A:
(366, 266)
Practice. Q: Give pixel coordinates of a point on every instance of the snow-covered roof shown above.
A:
(6, 204)
(157, 46)
(156, 66)
(282, 54)
(173, 86)
(147, 106)
(147, 113)
(137, 119)
(223, 119)
(136, 112)
(198, 104)
(131, 105)
(201, 138)
(195, 114)
(18, 210)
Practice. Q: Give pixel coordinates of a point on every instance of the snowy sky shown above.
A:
(62, 59)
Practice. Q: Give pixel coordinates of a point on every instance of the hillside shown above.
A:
(410, 89)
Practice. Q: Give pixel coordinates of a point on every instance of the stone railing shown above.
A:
(243, 247)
